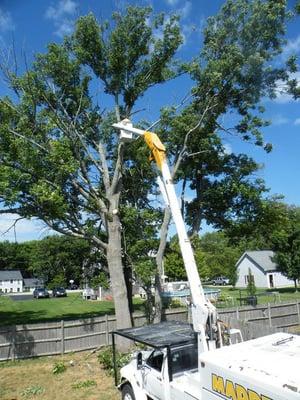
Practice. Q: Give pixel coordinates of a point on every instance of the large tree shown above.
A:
(235, 72)
(60, 159)
(61, 162)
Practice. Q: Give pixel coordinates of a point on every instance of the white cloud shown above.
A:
(227, 149)
(184, 12)
(6, 23)
(292, 47)
(187, 30)
(65, 28)
(172, 3)
(282, 96)
(64, 7)
(62, 16)
(297, 121)
(25, 229)
(279, 120)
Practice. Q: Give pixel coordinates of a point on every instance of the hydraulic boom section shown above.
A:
(204, 315)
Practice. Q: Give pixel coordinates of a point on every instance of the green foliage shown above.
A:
(62, 163)
(56, 259)
(58, 368)
(214, 255)
(251, 288)
(84, 384)
(57, 281)
(32, 391)
(99, 280)
(105, 358)
(286, 244)
(175, 303)
(125, 61)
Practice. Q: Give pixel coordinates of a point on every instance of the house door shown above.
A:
(271, 280)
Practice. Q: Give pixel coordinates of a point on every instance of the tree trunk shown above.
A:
(159, 313)
(118, 284)
(296, 286)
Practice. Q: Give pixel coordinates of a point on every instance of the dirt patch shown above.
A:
(33, 379)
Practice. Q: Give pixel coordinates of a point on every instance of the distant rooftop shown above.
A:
(6, 275)
(262, 258)
(33, 282)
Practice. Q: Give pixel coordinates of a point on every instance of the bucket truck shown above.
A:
(189, 362)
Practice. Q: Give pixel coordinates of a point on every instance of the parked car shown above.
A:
(40, 293)
(73, 287)
(59, 292)
(220, 281)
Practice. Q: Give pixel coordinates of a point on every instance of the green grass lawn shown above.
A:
(71, 307)
(74, 307)
(264, 296)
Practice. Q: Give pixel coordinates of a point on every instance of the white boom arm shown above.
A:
(203, 312)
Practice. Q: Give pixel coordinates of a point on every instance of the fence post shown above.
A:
(62, 336)
(106, 330)
(269, 315)
(13, 343)
(298, 311)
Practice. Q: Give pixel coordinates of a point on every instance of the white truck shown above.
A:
(193, 361)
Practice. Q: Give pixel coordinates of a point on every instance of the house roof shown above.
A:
(262, 259)
(32, 282)
(6, 275)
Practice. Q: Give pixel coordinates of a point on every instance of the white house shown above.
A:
(32, 283)
(11, 281)
(262, 268)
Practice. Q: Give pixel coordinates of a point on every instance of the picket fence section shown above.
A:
(50, 338)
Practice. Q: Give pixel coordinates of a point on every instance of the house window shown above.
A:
(18, 289)
(11, 281)
(11, 289)
(246, 279)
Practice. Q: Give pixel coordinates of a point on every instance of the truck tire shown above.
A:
(127, 392)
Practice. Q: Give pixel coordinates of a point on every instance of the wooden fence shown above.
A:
(24, 341)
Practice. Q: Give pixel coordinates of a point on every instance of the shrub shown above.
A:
(58, 368)
(105, 358)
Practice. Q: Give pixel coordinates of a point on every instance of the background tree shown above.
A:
(287, 246)
(234, 74)
(251, 288)
(258, 231)
(60, 159)
(61, 259)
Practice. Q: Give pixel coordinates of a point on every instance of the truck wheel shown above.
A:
(127, 393)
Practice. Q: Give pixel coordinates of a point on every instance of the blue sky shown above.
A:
(32, 24)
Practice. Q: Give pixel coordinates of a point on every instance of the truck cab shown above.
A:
(172, 369)
(171, 351)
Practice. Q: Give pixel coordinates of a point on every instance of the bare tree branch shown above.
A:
(13, 225)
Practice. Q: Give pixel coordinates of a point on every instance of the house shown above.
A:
(29, 284)
(11, 281)
(263, 269)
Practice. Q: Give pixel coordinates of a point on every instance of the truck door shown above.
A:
(153, 375)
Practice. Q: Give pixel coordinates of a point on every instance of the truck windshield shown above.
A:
(184, 358)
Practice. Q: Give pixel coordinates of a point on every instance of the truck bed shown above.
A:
(269, 365)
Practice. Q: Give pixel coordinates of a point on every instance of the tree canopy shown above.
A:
(286, 244)
(62, 162)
